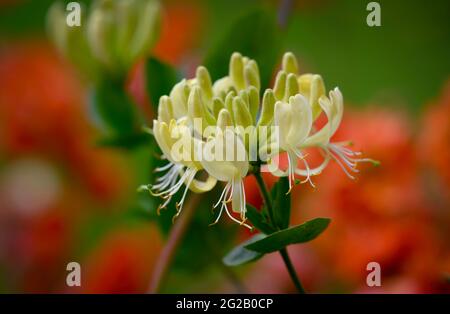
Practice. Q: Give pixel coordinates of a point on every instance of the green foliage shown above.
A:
(127, 141)
(255, 35)
(159, 79)
(240, 255)
(258, 220)
(281, 203)
(113, 108)
(298, 234)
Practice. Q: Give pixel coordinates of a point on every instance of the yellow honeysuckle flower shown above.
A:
(333, 106)
(294, 121)
(179, 148)
(225, 158)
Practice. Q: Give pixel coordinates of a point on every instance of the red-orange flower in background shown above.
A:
(51, 174)
(434, 144)
(123, 261)
(382, 217)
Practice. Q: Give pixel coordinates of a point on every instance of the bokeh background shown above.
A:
(67, 196)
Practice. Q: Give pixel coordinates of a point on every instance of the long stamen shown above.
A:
(165, 167)
(179, 205)
(308, 169)
(345, 157)
(222, 202)
(242, 223)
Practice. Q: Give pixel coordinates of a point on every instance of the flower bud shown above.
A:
(218, 105)
(147, 29)
(229, 103)
(101, 32)
(179, 96)
(197, 110)
(267, 110)
(280, 85)
(165, 112)
(222, 86)
(289, 64)
(253, 101)
(251, 73)
(71, 41)
(237, 71)
(291, 86)
(119, 32)
(312, 87)
(224, 119)
(204, 81)
(242, 116)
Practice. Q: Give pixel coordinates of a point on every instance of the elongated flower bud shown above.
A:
(204, 81)
(251, 74)
(197, 110)
(312, 87)
(71, 41)
(165, 112)
(229, 103)
(242, 116)
(290, 64)
(146, 31)
(291, 86)
(224, 119)
(218, 105)
(179, 96)
(237, 71)
(280, 85)
(253, 102)
(267, 110)
(101, 32)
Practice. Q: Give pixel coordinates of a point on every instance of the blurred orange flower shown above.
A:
(123, 262)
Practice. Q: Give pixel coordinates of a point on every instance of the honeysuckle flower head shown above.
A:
(217, 127)
(112, 35)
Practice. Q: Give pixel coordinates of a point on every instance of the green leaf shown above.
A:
(112, 107)
(298, 234)
(255, 35)
(258, 220)
(281, 203)
(160, 78)
(240, 255)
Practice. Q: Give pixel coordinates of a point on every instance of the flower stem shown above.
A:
(291, 270)
(176, 235)
(283, 252)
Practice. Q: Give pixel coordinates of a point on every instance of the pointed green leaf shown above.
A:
(258, 220)
(298, 234)
(240, 255)
(160, 78)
